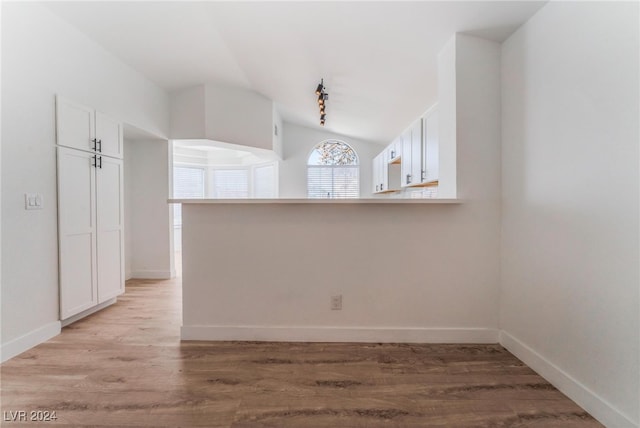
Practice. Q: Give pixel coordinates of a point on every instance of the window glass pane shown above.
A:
(333, 152)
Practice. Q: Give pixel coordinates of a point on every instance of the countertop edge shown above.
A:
(383, 201)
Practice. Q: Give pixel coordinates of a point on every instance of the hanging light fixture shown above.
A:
(322, 98)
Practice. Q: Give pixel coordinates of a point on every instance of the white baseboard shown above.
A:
(599, 408)
(152, 274)
(339, 334)
(24, 343)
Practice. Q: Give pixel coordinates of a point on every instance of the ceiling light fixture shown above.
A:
(322, 98)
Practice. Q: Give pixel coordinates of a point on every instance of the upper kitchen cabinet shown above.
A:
(84, 128)
(430, 147)
(412, 154)
(394, 150)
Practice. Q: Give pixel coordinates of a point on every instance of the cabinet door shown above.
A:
(110, 231)
(109, 136)
(407, 179)
(374, 175)
(384, 171)
(416, 152)
(74, 125)
(393, 150)
(77, 231)
(431, 161)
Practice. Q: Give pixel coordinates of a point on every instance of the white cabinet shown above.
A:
(83, 128)
(90, 210)
(430, 149)
(412, 154)
(375, 174)
(380, 173)
(77, 231)
(411, 159)
(109, 136)
(394, 150)
(109, 222)
(385, 175)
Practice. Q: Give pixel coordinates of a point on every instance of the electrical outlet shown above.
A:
(336, 303)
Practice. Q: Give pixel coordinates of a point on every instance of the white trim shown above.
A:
(339, 334)
(25, 342)
(65, 322)
(598, 407)
(152, 274)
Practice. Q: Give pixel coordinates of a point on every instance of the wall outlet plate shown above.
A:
(336, 303)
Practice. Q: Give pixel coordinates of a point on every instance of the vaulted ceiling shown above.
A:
(378, 59)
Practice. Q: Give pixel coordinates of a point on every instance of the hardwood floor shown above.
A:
(125, 366)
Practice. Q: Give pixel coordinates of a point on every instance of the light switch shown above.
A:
(32, 201)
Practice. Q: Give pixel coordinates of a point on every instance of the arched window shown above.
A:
(333, 171)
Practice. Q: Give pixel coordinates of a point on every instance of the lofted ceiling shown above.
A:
(378, 59)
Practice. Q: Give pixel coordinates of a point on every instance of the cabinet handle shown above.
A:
(382, 187)
(393, 154)
(423, 175)
(100, 162)
(99, 144)
(95, 161)
(95, 144)
(376, 187)
(408, 178)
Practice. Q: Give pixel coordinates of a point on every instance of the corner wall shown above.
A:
(43, 56)
(569, 298)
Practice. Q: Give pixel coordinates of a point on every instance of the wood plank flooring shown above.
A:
(125, 366)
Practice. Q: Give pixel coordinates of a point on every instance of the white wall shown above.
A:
(298, 141)
(150, 220)
(238, 116)
(188, 113)
(447, 186)
(406, 273)
(278, 140)
(41, 56)
(127, 189)
(569, 300)
(223, 113)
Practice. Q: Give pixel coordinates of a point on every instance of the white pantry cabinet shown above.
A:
(77, 231)
(83, 128)
(90, 213)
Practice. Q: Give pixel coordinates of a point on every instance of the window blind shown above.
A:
(231, 183)
(187, 183)
(333, 181)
